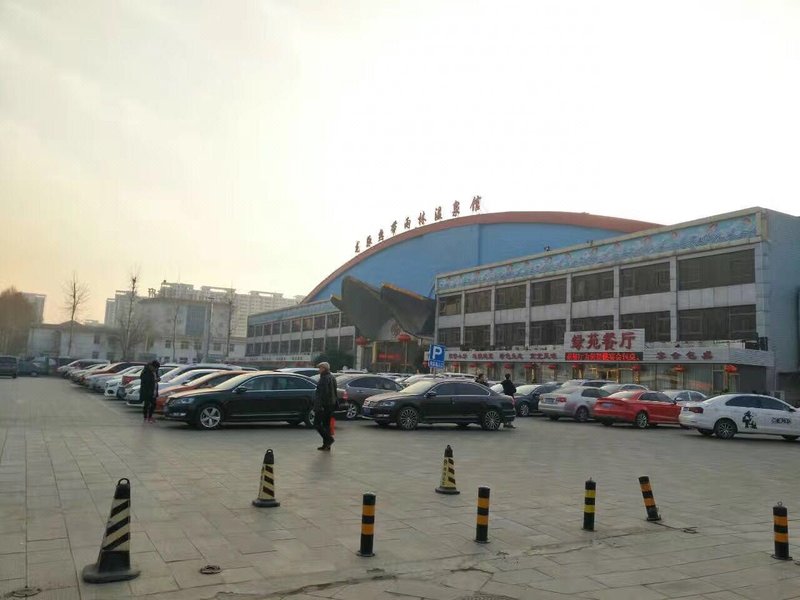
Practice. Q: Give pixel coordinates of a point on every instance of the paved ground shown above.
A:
(63, 449)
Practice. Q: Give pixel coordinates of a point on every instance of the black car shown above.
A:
(527, 397)
(436, 401)
(8, 366)
(258, 396)
(31, 368)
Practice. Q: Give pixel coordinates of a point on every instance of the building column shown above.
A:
(618, 297)
(673, 305)
(569, 303)
(528, 314)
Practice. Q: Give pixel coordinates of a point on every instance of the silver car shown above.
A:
(575, 402)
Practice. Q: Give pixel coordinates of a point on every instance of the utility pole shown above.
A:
(208, 330)
(230, 323)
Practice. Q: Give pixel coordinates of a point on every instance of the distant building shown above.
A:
(88, 341)
(37, 301)
(111, 312)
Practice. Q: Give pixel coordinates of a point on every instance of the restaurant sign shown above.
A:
(616, 345)
(509, 356)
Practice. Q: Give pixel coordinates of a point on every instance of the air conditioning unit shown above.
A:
(779, 394)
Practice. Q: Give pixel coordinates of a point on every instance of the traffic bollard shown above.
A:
(448, 482)
(780, 519)
(482, 526)
(588, 505)
(649, 500)
(367, 525)
(266, 488)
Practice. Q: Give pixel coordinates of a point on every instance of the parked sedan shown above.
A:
(30, 368)
(684, 396)
(729, 414)
(183, 379)
(573, 402)
(436, 401)
(641, 408)
(354, 389)
(207, 381)
(254, 396)
(113, 383)
(613, 388)
(528, 396)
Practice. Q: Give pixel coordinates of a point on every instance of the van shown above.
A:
(8, 366)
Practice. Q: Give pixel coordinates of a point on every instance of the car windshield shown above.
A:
(420, 387)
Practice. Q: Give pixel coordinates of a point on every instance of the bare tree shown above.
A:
(229, 301)
(76, 295)
(16, 318)
(133, 327)
(175, 314)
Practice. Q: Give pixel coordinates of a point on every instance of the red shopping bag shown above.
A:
(333, 426)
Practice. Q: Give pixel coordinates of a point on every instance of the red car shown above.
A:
(642, 408)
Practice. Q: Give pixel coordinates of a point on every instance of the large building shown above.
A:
(37, 301)
(709, 304)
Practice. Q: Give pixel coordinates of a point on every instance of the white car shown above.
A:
(729, 414)
(112, 383)
(97, 383)
(573, 402)
(182, 379)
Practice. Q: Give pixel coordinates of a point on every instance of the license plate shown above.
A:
(365, 410)
(549, 401)
(607, 405)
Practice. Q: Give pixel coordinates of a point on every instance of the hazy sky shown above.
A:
(252, 143)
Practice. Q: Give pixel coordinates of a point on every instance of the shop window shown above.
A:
(722, 323)
(596, 286)
(730, 268)
(656, 325)
(544, 293)
(507, 335)
(510, 297)
(478, 337)
(649, 279)
(450, 305)
(601, 323)
(478, 301)
(450, 336)
(548, 333)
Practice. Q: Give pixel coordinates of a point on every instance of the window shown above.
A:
(305, 345)
(249, 350)
(723, 323)
(319, 322)
(183, 360)
(294, 346)
(548, 333)
(450, 336)
(650, 279)
(198, 346)
(285, 326)
(284, 347)
(510, 297)
(601, 323)
(346, 343)
(318, 345)
(232, 347)
(296, 324)
(345, 322)
(450, 305)
(471, 389)
(744, 402)
(291, 383)
(507, 335)
(96, 338)
(308, 323)
(184, 345)
(95, 354)
(250, 331)
(772, 404)
(478, 301)
(274, 347)
(167, 344)
(656, 325)
(257, 384)
(331, 343)
(730, 268)
(445, 389)
(593, 287)
(259, 331)
(549, 292)
(333, 320)
(268, 329)
(477, 338)
(656, 397)
(218, 347)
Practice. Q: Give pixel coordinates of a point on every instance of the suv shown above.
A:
(8, 366)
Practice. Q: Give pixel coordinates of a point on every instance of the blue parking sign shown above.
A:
(436, 356)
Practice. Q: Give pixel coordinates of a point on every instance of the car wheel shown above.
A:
(524, 409)
(706, 432)
(553, 417)
(641, 421)
(208, 417)
(725, 429)
(351, 411)
(491, 420)
(582, 414)
(310, 416)
(607, 422)
(790, 438)
(408, 418)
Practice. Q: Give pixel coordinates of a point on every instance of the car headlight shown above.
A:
(386, 403)
(188, 400)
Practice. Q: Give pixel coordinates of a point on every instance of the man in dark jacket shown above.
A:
(509, 389)
(148, 392)
(325, 400)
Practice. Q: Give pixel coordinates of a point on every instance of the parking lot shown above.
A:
(63, 450)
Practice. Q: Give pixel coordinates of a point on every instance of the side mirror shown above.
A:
(430, 395)
(239, 390)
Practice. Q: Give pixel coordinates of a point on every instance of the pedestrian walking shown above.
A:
(325, 400)
(148, 392)
(509, 389)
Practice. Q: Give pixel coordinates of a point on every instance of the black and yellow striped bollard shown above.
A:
(780, 519)
(114, 561)
(649, 500)
(482, 524)
(448, 482)
(367, 525)
(590, 495)
(266, 488)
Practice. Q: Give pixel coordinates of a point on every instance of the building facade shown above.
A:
(88, 341)
(713, 304)
(37, 301)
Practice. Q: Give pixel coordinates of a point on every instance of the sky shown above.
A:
(250, 144)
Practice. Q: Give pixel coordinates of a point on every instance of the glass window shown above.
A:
(285, 326)
(285, 347)
(274, 347)
(268, 329)
(601, 323)
(305, 346)
(318, 345)
(184, 345)
(257, 384)
(723, 323)
(548, 333)
(218, 346)
(250, 330)
(656, 325)
(649, 279)
(509, 297)
(450, 336)
(593, 287)
(730, 268)
(445, 389)
(319, 322)
(344, 320)
(471, 389)
(308, 323)
(198, 345)
(346, 343)
(478, 301)
(477, 337)
(167, 344)
(544, 293)
(744, 402)
(507, 335)
(772, 404)
(296, 325)
(333, 320)
(450, 305)
(290, 383)
(259, 331)
(294, 346)
(331, 343)
(95, 354)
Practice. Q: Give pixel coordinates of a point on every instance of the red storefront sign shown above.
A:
(617, 341)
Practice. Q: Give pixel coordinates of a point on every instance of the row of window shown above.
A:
(723, 323)
(305, 346)
(184, 345)
(317, 323)
(732, 268)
